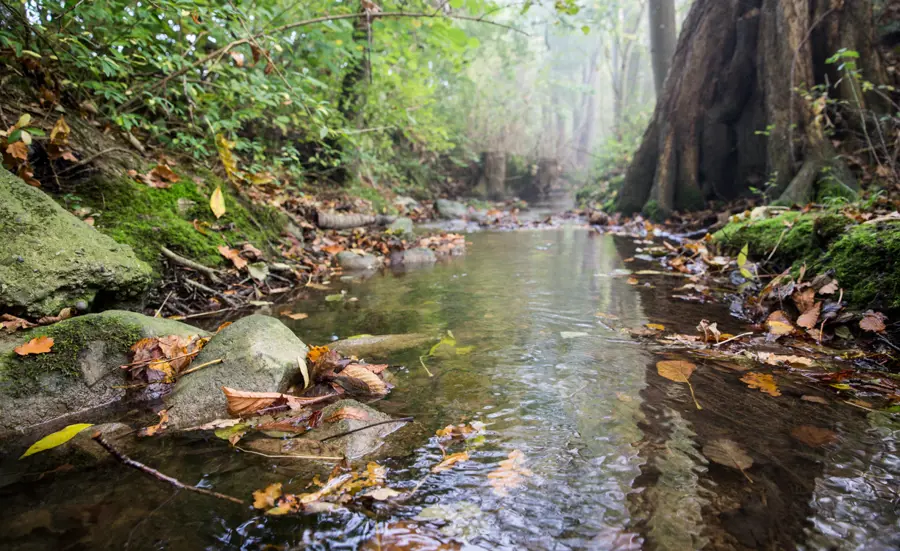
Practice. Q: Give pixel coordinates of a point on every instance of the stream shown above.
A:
(614, 449)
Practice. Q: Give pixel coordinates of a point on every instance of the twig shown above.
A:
(322, 457)
(733, 338)
(780, 237)
(212, 274)
(158, 310)
(201, 366)
(93, 157)
(98, 437)
(422, 361)
(204, 314)
(401, 420)
(212, 291)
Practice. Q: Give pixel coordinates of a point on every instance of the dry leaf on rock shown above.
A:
(810, 317)
(509, 474)
(295, 316)
(347, 413)
(245, 402)
(815, 437)
(728, 453)
(449, 461)
(37, 345)
(234, 256)
(359, 381)
(11, 323)
(763, 381)
(873, 321)
(778, 324)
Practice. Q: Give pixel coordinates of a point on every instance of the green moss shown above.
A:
(20, 374)
(146, 218)
(689, 198)
(765, 235)
(829, 190)
(653, 212)
(866, 261)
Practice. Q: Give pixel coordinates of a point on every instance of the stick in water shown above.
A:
(156, 474)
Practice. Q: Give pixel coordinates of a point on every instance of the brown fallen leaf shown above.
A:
(873, 322)
(347, 413)
(157, 428)
(814, 437)
(814, 399)
(295, 316)
(679, 371)
(632, 281)
(804, 299)
(64, 314)
(810, 318)
(463, 431)
(778, 324)
(509, 474)
(374, 368)
(730, 454)
(775, 359)
(12, 324)
(449, 461)
(162, 173)
(829, 288)
(763, 381)
(234, 256)
(244, 402)
(360, 381)
(252, 252)
(709, 329)
(37, 345)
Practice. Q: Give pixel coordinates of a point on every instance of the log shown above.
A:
(337, 221)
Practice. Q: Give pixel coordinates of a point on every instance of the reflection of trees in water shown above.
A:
(686, 501)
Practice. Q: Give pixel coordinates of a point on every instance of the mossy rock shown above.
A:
(866, 261)
(146, 218)
(50, 260)
(80, 372)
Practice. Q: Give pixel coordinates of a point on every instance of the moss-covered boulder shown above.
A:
(259, 353)
(49, 259)
(80, 372)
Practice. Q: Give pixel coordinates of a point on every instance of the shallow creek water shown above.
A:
(615, 449)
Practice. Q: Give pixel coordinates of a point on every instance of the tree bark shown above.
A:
(736, 110)
(495, 174)
(662, 39)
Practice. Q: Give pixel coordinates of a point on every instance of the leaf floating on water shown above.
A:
(510, 474)
(679, 371)
(814, 437)
(37, 345)
(382, 494)
(265, 499)
(778, 324)
(463, 431)
(55, 439)
(572, 334)
(873, 322)
(763, 381)
(449, 461)
(728, 453)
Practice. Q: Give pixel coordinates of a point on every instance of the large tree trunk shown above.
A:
(662, 39)
(495, 174)
(733, 114)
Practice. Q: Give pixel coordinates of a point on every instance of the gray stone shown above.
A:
(407, 203)
(260, 355)
(402, 227)
(450, 209)
(379, 346)
(358, 262)
(419, 256)
(49, 259)
(80, 373)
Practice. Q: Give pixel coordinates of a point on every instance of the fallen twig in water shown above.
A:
(422, 361)
(98, 437)
(322, 457)
(734, 338)
(401, 420)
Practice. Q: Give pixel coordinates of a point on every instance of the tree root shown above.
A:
(212, 274)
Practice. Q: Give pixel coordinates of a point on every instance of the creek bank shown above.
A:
(50, 260)
(863, 255)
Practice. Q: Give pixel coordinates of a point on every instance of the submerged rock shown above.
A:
(260, 354)
(401, 226)
(358, 262)
(379, 346)
(419, 256)
(50, 260)
(450, 209)
(81, 372)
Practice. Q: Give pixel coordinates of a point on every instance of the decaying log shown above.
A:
(337, 221)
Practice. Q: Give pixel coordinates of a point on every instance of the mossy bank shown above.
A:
(865, 258)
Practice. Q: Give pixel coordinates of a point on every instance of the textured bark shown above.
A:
(338, 221)
(495, 174)
(732, 114)
(662, 39)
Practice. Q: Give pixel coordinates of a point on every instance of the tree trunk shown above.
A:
(495, 174)
(662, 39)
(733, 115)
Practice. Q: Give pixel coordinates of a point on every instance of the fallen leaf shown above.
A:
(245, 402)
(12, 323)
(463, 431)
(55, 439)
(449, 461)
(814, 437)
(37, 345)
(347, 413)
(234, 256)
(251, 251)
(679, 371)
(258, 271)
(18, 150)
(763, 381)
(873, 321)
(728, 453)
(775, 359)
(810, 317)
(59, 135)
(359, 381)
(830, 288)
(154, 429)
(804, 299)
(814, 399)
(315, 353)
(709, 329)
(265, 499)
(217, 203)
(655, 326)
(509, 474)
(632, 281)
(295, 316)
(163, 172)
(382, 494)
(778, 324)
(223, 326)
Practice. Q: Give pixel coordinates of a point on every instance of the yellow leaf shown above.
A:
(763, 381)
(264, 499)
(449, 461)
(58, 438)
(217, 203)
(59, 135)
(778, 324)
(655, 326)
(680, 372)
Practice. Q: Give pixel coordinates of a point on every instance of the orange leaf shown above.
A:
(509, 474)
(315, 353)
(245, 402)
(814, 437)
(152, 430)
(234, 256)
(449, 461)
(163, 172)
(873, 321)
(38, 345)
(810, 317)
(18, 150)
(763, 381)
